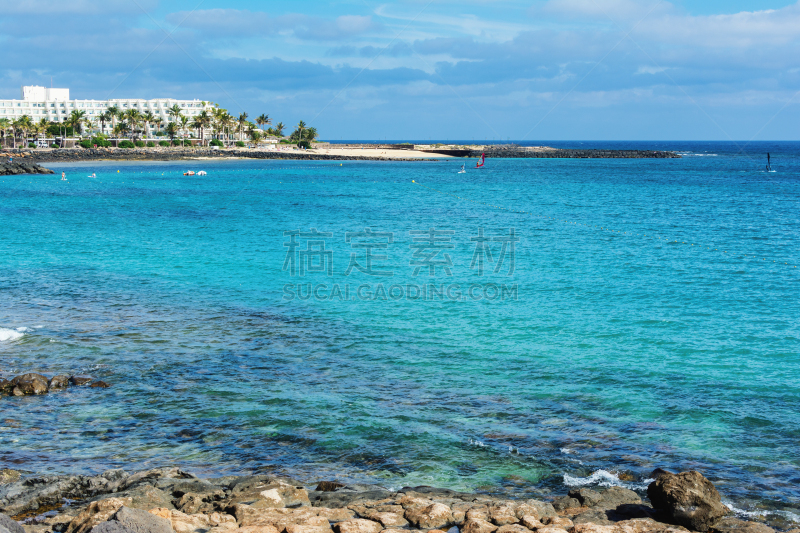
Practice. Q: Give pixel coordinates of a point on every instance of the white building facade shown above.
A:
(55, 105)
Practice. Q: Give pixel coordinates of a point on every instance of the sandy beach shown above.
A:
(386, 153)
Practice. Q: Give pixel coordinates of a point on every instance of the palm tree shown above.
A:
(242, 121)
(121, 129)
(311, 134)
(203, 120)
(114, 113)
(5, 126)
(174, 112)
(134, 118)
(108, 116)
(183, 121)
(172, 130)
(300, 127)
(148, 117)
(263, 120)
(158, 121)
(279, 127)
(76, 120)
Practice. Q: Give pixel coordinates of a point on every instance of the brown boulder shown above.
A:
(557, 521)
(30, 383)
(58, 382)
(512, 528)
(96, 513)
(503, 515)
(433, 516)
(358, 525)
(476, 525)
(688, 499)
(531, 522)
(99, 385)
(734, 525)
(80, 380)
(5, 386)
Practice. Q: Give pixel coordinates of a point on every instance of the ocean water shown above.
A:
(646, 316)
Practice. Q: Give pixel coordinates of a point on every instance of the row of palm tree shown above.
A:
(132, 123)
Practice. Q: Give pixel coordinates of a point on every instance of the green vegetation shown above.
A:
(216, 142)
(151, 144)
(54, 145)
(305, 145)
(31, 145)
(126, 144)
(139, 144)
(163, 143)
(176, 142)
(240, 144)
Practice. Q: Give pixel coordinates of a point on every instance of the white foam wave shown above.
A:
(763, 513)
(604, 478)
(10, 335)
(23, 329)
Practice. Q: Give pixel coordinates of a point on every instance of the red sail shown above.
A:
(480, 163)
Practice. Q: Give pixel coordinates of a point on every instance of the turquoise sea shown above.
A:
(647, 316)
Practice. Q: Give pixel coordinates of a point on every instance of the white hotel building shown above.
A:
(55, 105)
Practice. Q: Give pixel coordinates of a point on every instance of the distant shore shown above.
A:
(363, 152)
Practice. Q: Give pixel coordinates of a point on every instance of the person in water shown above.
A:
(769, 166)
(63, 176)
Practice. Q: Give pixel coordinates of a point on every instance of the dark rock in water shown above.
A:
(58, 382)
(613, 497)
(139, 521)
(30, 383)
(22, 167)
(80, 380)
(587, 497)
(5, 386)
(328, 486)
(99, 385)
(688, 499)
(11, 525)
(734, 525)
(565, 502)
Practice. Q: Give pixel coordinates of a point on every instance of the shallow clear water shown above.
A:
(620, 353)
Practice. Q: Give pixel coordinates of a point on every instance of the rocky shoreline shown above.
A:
(170, 500)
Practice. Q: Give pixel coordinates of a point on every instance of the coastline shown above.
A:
(328, 153)
(269, 503)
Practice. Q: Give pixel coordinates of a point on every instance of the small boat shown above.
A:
(463, 170)
(482, 161)
(189, 173)
(202, 173)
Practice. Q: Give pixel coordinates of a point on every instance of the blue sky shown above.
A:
(416, 69)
